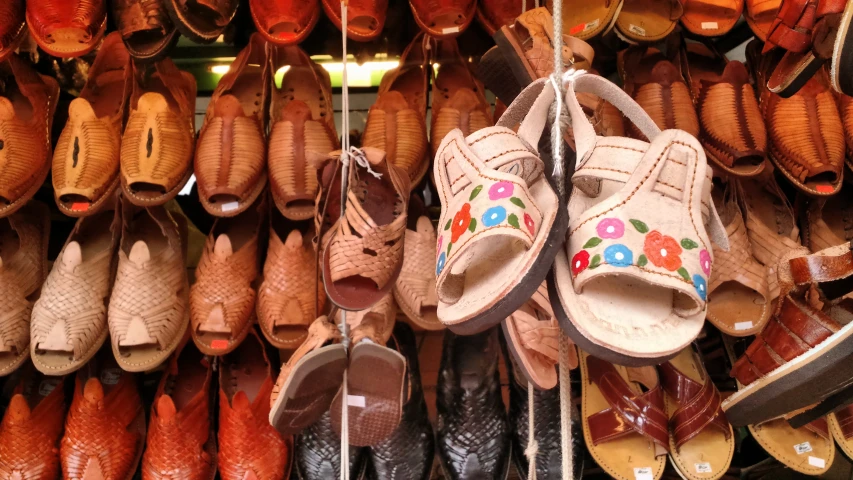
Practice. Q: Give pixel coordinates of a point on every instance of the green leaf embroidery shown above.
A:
(473, 225)
(447, 227)
(517, 201)
(592, 242)
(449, 244)
(513, 220)
(475, 192)
(595, 262)
(642, 261)
(639, 225)
(683, 272)
(688, 244)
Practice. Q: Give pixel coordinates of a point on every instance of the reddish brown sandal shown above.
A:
(67, 28)
(145, 27)
(443, 18)
(13, 26)
(285, 23)
(365, 18)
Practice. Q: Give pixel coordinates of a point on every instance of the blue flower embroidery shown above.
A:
(618, 256)
(440, 264)
(700, 285)
(494, 216)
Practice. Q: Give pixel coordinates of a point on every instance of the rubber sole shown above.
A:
(793, 82)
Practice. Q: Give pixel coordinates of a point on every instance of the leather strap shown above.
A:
(629, 413)
(819, 427)
(698, 405)
(845, 421)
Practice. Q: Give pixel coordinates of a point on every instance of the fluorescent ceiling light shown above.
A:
(357, 75)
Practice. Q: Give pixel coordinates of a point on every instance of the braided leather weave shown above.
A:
(29, 437)
(414, 289)
(375, 324)
(667, 101)
(465, 110)
(291, 294)
(135, 16)
(737, 264)
(317, 454)
(845, 105)
(46, 16)
(101, 436)
(400, 131)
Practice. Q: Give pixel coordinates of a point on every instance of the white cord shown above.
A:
(345, 157)
(532, 445)
(565, 407)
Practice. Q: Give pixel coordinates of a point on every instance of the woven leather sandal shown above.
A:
(27, 104)
(222, 299)
(800, 357)
(721, 91)
(501, 222)
(67, 28)
(642, 223)
(841, 427)
(32, 426)
(364, 254)
(149, 311)
(620, 439)
(701, 442)
(202, 21)
(180, 433)
(230, 159)
(805, 132)
(69, 320)
(105, 428)
(842, 49)
(302, 129)
(656, 83)
(809, 450)
(759, 15)
(86, 157)
(494, 14)
(248, 445)
(533, 338)
(414, 289)
(643, 21)
(396, 123)
(365, 18)
(828, 221)
(13, 26)
(711, 18)
(376, 374)
(285, 23)
(23, 267)
(157, 145)
(145, 27)
(739, 299)
(590, 19)
(443, 18)
(309, 380)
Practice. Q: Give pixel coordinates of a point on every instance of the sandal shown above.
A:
(637, 234)
(808, 450)
(711, 18)
(492, 187)
(800, 358)
(69, 28)
(365, 18)
(625, 424)
(309, 380)
(759, 15)
(828, 222)
(414, 289)
(443, 19)
(364, 253)
(845, 107)
(841, 426)
(14, 26)
(589, 19)
(533, 338)
(648, 20)
(739, 298)
(701, 441)
(285, 23)
(202, 21)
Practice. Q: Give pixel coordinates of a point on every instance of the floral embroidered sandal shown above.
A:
(501, 222)
(637, 238)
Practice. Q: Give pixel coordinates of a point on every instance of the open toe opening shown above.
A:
(224, 200)
(284, 30)
(824, 182)
(450, 20)
(749, 162)
(300, 207)
(75, 202)
(364, 25)
(147, 190)
(737, 306)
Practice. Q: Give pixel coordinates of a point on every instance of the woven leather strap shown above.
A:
(629, 413)
(845, 421)
(737, 264)
(698, 405)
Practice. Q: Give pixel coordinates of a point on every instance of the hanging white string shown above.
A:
(345, 161)
(360, 158)
(565, 408)
(532, 445)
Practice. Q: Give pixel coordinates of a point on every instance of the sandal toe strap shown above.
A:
(699, 405)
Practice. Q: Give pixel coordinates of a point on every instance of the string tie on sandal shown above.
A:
(360, 159)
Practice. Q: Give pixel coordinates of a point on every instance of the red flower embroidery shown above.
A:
(663, 251)
(579, 262)
(460, 222)
(529, 223)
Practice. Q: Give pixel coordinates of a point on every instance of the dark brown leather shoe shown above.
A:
(13, 26)
(145, 27)
(317, 454)
(202, 21)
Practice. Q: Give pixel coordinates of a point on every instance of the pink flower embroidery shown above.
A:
(705, 262)
(529, 223)
(610, 228)
(440, 243)
(501, 190)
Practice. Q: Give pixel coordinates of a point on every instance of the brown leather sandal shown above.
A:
(13, 26)
(711, 18)
(145, 27)
(759, 15)
(414, 289)
(285, 23)
(841, 427)
(828, 221)
(68, 28)
(808, 450)
(444, 18)
(202, 21)
(648, 20)
(586, 20)
(365, 18)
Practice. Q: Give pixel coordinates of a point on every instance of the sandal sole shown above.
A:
(842, 55)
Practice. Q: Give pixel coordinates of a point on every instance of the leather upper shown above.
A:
(67, 28)
(845, 421)
(441, 18)
(12, 26)
(144, 26)
(366, 18)
(285, 22)
(698, 404)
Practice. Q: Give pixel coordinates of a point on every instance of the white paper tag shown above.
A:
(743, 326)
(702, 467)
(227, 207)
(355, 401)
(817, 462)
(450, 30)
(47, 386)
(110, 376)
(644, 473)
(637, 30)
(802, 448)
(710, 26)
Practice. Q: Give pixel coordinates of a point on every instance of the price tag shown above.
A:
(450, 30)
(637, 30)
(355, 401)
(230, 206)
(219, 344)
(817, 462)
(743, 326)
(703, 467)
(644, 473)
(710, 26)
(802, 448)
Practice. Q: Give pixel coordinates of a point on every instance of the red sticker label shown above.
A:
(577, 29)
(219, 344)
(79, 206)
(825, 188)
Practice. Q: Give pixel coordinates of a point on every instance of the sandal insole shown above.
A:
(648, 19)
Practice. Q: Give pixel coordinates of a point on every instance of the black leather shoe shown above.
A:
(546, 417)
(408, 453)
(473, 437)
(318, 453)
